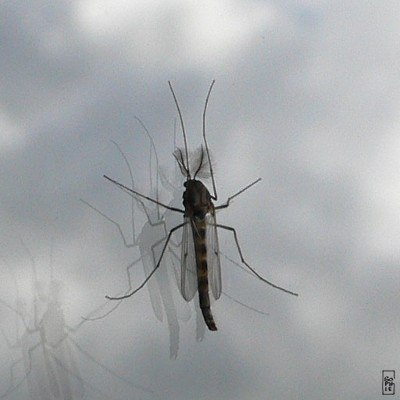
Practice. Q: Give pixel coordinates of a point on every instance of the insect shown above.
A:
(162, 289)
(49, 364)
(153, 233)
(200, 261)
(48, 367)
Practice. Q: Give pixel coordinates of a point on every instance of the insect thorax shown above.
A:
(196, 199)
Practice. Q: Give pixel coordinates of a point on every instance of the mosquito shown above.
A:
(200, 261)
(161, 289)
(50, 367)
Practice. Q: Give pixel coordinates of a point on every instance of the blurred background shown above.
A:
(306, 97)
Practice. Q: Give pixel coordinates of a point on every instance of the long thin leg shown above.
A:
(229, 228)
(48, 347)
(155, 268)
(76, 375)
(13, 309)
(153, 146)
(48, 353)
(121, 233)
(245, 305)
(223, 292)
(132, 185)
(29, 369)
(128, 273)
(92, 359)
(105, 368)
(131, 191)
(118, 226)
(244, 269)
(13, 386)
(128, 245)
(237, 194)
(34, 281)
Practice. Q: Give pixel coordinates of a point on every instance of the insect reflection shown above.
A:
(162, 290)
(48, 368)
(200, 261)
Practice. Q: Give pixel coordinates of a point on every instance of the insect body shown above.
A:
(199, 222)
(200, 263)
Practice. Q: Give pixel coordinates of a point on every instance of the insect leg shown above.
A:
(117, 225)
(73, 374)
(128, 268)
(229, 228)
(245, 305)
(107, 369)
(12, 385)
(131, 191)
(74, 371)
(132, 185)
(237, 194)
(155, 268)
(107, 313)
(152, 147)
(30, 351)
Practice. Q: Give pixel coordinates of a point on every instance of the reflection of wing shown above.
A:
(154, 292)
(63, 377)
(188, 263)
(214, 265)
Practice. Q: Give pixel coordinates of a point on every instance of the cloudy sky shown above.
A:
(306, 97)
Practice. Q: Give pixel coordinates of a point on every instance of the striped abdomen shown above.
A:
(199, 236)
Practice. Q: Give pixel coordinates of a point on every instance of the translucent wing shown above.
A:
(214, 265)
(152, 285)
(149, 255)
(188, 263)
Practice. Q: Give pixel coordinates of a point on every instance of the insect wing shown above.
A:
(213, 261)
(64, 378)
(152, 285)
(188, 263)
